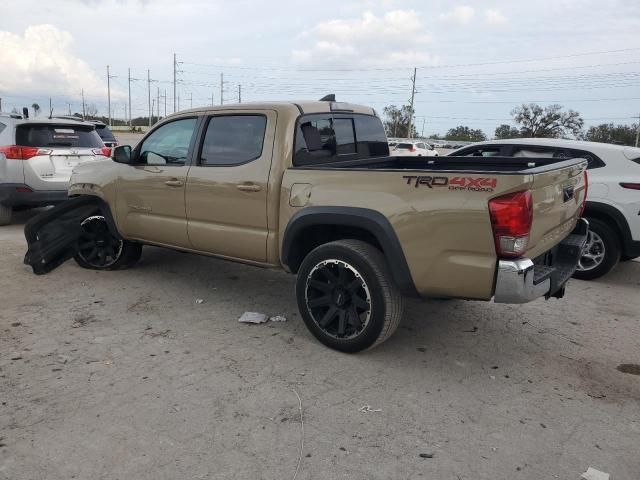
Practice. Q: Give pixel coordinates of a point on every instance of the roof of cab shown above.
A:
(301, 107)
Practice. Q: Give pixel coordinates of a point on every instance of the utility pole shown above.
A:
(158, 103)
(69, 105)
(413, 94)
(149, 95)
(212, 99)
(129, 77)
(221, 88)
(1, 103)
(109, 94)
(50, 108)
(165, 102)
(125, 113)
(423, 122)
(638, 131)
(83, 108)
(191, 100)
(239, 93)
(174, 82)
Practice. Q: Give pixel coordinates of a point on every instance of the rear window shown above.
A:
(405, 146)
(325, 138)
(105, 133)
(57, 136)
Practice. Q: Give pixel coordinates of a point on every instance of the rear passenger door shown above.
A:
(227, 187)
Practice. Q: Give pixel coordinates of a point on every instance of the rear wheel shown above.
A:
(601, 252)
(346, 296)
(99, 249)
(5, 215)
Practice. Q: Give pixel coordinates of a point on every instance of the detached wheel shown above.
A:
(99, 249)
(601, 252)
(346, 296)
(5, 215)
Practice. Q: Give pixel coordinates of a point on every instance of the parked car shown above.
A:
(103, 130)
(36, 159)
(613, 204)
(413, 148)
(316, 193)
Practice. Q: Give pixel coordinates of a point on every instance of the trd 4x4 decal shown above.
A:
(472, 184)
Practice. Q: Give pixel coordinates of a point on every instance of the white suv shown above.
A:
(36, 159)
(411, 148)
(613, 199)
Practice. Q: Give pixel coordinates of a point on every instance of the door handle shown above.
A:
(174, 183)
(249, 187)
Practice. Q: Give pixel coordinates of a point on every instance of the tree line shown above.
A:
(531, 121)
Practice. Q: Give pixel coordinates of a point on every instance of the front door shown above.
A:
(151, 191)
(227, 185)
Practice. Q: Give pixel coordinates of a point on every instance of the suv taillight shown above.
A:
(586, 190)
(412, 148)
(511, 217)
(16, 152)
(106, 151)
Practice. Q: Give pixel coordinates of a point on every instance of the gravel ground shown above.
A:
(123, 375)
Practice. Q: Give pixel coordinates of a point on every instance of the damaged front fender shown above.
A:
(53, 236)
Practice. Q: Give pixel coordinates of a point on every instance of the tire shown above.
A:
(601, 253)
(101, 250)
(346, 296)
(5, 215)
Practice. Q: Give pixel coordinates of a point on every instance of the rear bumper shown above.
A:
(18, 195)
(523, 280)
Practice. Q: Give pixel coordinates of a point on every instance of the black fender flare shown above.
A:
(366, 219)
(607, 212)
(52, 236)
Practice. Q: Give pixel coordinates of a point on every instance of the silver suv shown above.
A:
(36, 159)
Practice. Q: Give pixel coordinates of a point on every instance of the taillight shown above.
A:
(631, 186)
(16, 152)
(106, 151)
(586, 190)
(511, 217)
(412, 148)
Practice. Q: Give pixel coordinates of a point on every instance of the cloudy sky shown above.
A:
(475, 60)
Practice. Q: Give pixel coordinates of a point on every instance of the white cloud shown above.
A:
(42, 62)
(368, 40)
(494, 17)
(462, 14)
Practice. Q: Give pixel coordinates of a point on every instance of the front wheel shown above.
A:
(346, 296)
(99, 249)
(601, 252)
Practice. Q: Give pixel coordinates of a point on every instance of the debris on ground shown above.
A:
(367, 409)
(593, 474)
(278, 318)
(253, 317)
(199, 301)
(426, 455)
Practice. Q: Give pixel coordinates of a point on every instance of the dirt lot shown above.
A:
(122, 375)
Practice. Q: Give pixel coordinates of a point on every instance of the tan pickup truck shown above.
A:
(310, 187)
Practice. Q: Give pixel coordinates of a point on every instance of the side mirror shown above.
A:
(122, 154)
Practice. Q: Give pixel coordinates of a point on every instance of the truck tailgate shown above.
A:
(558, 196)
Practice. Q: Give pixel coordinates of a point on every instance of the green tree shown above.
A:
(610, 133)
(506, 131)
(36, 109)
(465, 134)
(396, 122)
(547, 122)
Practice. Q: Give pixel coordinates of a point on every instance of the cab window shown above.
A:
(169, 144)
(233, 140)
